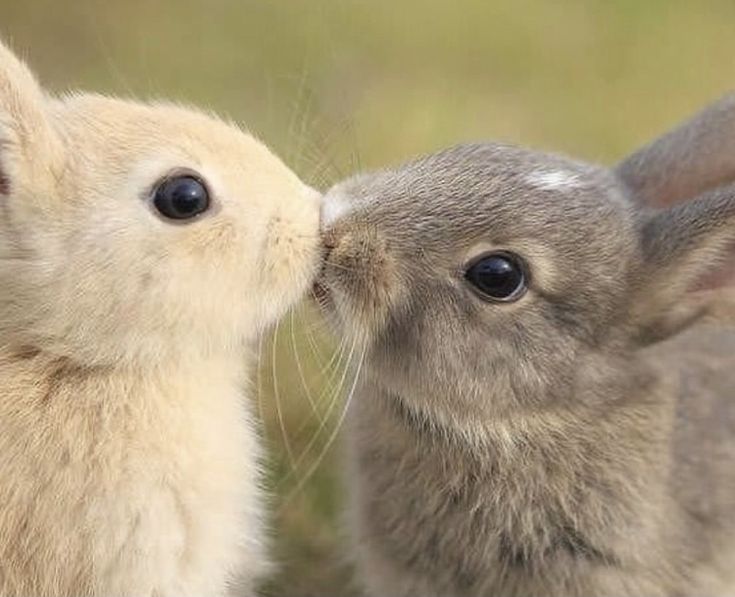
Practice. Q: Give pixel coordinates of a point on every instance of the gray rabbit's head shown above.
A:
(486, 279)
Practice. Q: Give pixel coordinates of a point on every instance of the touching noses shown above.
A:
(331, 237)
(334, 207)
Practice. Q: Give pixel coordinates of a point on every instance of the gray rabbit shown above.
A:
(546, 402)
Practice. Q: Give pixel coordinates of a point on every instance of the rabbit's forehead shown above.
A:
(123, 133)
(554, 178)
(505, 193)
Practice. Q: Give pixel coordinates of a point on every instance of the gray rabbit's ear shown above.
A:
(28, 145)
(697, 155)
(685, 248)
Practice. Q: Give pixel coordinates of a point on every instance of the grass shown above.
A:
(336, 86)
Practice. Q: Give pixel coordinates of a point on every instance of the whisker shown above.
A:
(325, 311)
(306, 142)
(335, 395)
(103, 49)
(316, 352)
(310, 336)
(318, 325)
(297, 105)
(338, 426)
(276, 394)
(341, 266)
(328, 162)
(308, 331)
(305, 123)
(300, 369)
(259, 377)
(333, 370)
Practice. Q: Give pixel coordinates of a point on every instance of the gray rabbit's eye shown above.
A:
(181, 197)
(497, 277)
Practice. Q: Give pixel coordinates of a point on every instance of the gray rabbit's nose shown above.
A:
(333, 211)
(330, 241)
(331, 238)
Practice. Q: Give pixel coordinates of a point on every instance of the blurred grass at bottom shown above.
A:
(301, 385)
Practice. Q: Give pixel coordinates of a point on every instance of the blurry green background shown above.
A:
(334, 86)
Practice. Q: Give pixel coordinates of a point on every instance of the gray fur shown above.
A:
(578, 442)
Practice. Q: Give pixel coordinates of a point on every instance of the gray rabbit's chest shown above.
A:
(638, 498)
(466, 528)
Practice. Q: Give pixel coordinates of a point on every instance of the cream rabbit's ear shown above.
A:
(28, 145)
(695, 156)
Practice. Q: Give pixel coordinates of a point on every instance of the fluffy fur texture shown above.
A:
(579, 441)
(128, 454)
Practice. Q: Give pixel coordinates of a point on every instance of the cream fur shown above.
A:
(128, 454)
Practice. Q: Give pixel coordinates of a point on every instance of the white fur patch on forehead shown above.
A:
(334, 206)
(554, 179)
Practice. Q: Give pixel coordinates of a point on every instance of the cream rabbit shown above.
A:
(541, 409)
(143, 248)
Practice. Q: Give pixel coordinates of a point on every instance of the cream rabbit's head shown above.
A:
(133, 232)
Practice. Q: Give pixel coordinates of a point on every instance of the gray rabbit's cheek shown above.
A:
(503, 359)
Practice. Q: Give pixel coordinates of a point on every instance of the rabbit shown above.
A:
(143, 250)
(544, 402)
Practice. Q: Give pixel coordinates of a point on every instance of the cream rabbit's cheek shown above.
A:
(290, 258)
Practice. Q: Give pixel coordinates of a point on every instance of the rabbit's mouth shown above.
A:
(320, 290)
(321, 293)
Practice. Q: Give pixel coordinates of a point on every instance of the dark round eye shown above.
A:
(498, 277)
(181, 197)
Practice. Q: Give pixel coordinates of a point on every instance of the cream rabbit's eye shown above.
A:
(181, 197)
(498, 277)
